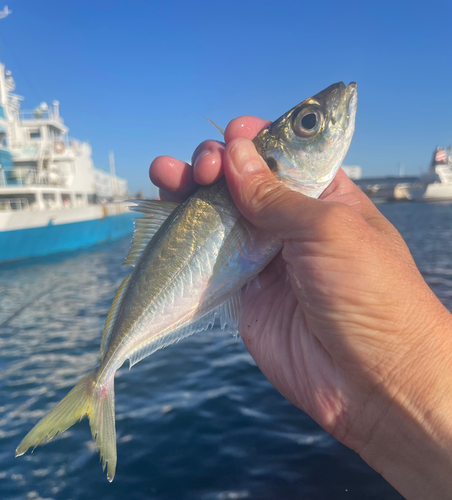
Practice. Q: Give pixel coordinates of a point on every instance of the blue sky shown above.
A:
(139, 76)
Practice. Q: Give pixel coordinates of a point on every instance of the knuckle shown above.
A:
(265, 193)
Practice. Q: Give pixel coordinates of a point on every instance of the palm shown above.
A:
(276, 332)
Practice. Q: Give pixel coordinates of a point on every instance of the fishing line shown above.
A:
(31, 302)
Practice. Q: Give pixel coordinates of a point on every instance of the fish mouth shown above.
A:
(341, 100)
(351, 98)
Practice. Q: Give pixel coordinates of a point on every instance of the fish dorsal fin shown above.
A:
(154, 208)
(156, 212)
(215, 125)
(229, 314)
(112, 315)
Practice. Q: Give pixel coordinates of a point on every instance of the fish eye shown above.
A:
(308, 121)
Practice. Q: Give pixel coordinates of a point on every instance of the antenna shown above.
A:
(5, 12)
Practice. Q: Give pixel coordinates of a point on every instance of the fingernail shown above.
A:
(201, 154)
(245, 158)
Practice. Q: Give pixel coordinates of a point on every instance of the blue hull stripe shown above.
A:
(38, 241)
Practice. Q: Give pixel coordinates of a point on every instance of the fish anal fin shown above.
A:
(228, 313)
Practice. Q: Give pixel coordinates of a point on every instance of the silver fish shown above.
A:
(192, 260)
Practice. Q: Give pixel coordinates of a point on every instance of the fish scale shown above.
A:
(192, 260)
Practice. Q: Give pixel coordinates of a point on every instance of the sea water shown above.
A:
(196, 420)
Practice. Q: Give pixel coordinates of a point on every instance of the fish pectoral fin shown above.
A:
(229, 314)
(156, 212)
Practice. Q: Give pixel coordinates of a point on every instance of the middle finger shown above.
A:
(207, 162)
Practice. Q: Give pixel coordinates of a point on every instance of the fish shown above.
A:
(191, 260)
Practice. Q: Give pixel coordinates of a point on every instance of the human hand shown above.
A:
(354, 337)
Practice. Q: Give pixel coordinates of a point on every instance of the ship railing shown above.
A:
(32, 148)
(39, 114)
(9, 204)
(25, 149)
(23, 177)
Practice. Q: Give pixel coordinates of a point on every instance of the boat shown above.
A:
(52, 198)
(386, 189)
(436, 184)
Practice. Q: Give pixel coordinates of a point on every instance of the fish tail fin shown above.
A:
(102, 422)
(87, 397)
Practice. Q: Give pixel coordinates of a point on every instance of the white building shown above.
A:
(353, 171)
(108, 186)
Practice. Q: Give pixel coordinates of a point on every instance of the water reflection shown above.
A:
(196, 420)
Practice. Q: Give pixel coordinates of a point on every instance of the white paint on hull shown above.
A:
(21, 219)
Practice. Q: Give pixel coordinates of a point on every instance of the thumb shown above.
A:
(262, 198)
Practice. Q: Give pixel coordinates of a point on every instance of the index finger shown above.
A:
(207, 159)
(245, 126)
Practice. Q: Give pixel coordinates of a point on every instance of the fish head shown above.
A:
(306, 146)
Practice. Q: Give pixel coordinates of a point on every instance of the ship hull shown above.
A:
(438, 192)
(63, 231)
(431, 192)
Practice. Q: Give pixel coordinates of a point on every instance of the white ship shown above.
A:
(52, 198)
(436, 184)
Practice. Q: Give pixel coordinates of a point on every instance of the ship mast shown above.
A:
(114, 190)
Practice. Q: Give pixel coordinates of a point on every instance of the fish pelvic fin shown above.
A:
(88, 397)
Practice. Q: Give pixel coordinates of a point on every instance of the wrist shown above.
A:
(410, 444)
